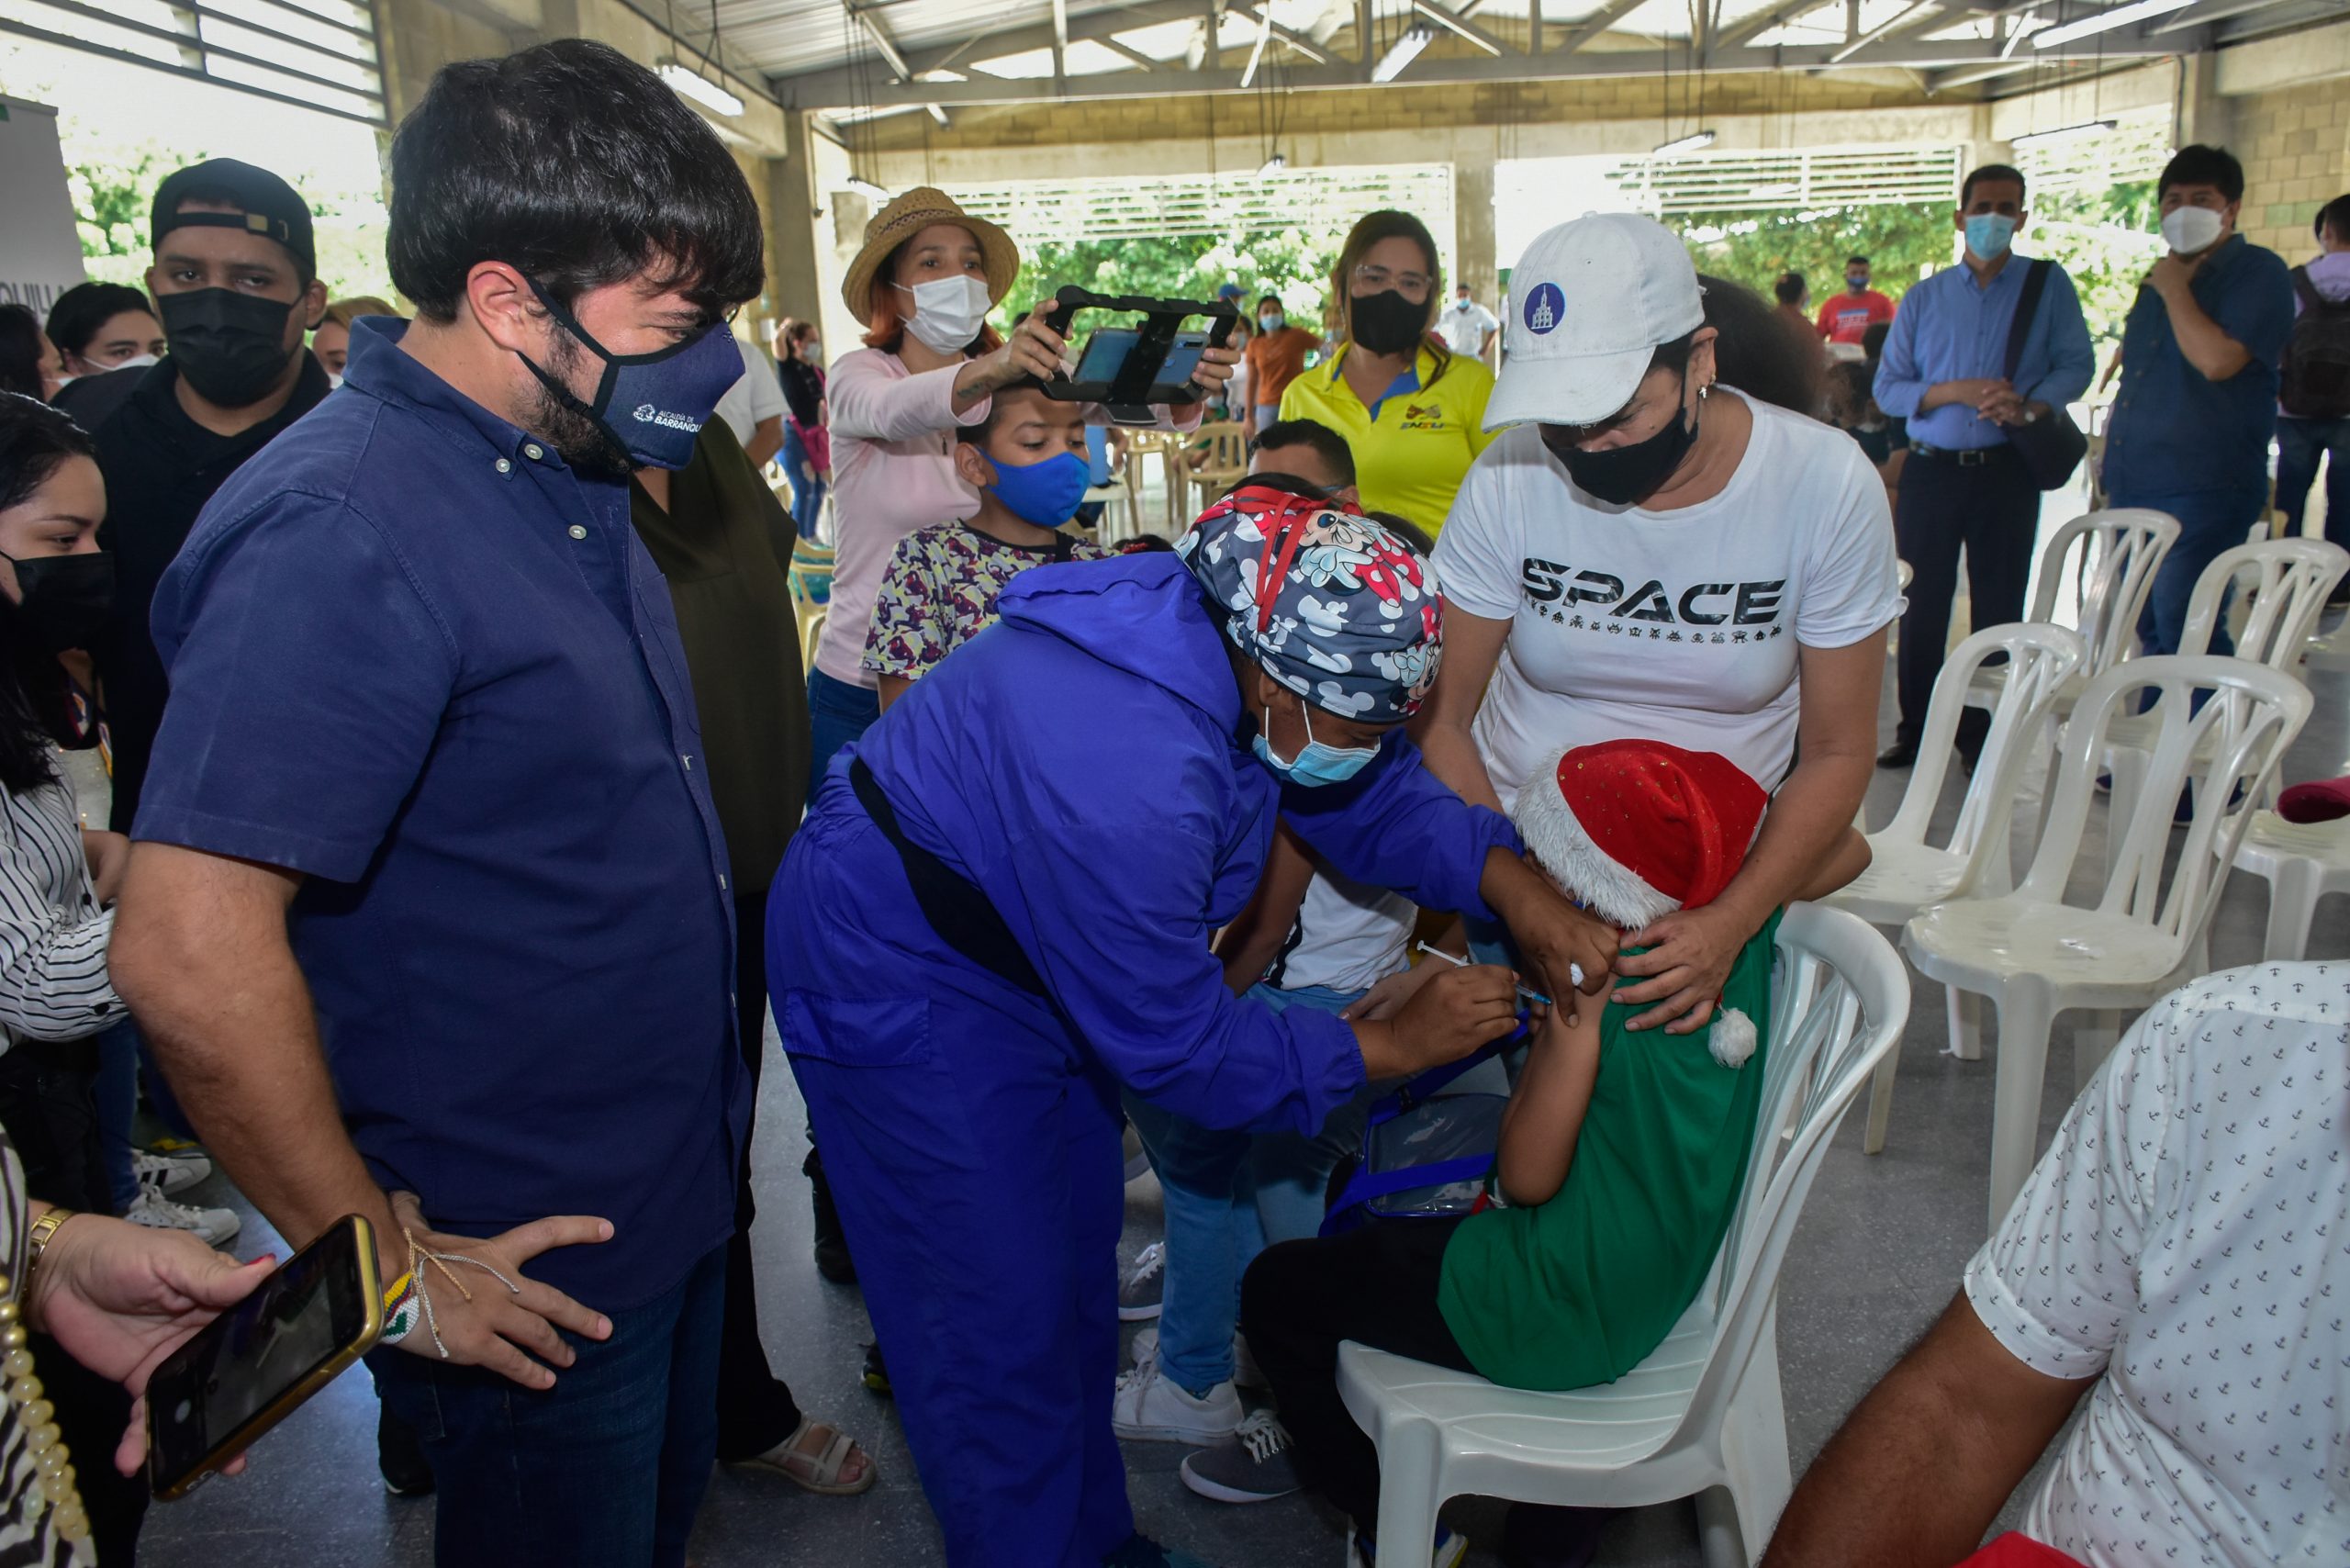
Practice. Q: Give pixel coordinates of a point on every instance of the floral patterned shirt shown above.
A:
(940, 592)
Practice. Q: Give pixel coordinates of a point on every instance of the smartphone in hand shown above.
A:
(254, 1365)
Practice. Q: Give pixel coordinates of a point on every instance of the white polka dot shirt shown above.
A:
(2188, 1238)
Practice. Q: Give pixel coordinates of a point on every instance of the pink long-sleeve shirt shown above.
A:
(894, 472)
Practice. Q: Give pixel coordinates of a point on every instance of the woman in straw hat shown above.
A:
(925, 281)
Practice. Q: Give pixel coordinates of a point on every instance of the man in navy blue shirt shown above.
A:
(1944, 371)
(2198, 404)
(430, 915)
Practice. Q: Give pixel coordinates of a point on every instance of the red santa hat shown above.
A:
(1636, 829)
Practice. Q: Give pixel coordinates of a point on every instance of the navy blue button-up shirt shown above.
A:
(2175, 431)
(418, 659)
(1951, 328)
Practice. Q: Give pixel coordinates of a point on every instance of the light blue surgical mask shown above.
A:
(1988, 234)
(1317, 764)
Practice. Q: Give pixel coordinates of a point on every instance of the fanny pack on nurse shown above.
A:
(1426, 1155)
(956, 908)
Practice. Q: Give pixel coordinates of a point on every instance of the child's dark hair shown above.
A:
(35, 442)
(985, 426)
(1325, 442)
(1404, 528)
(1789, 288)
(1146, 545)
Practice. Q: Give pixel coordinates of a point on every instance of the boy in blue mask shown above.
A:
(1028, 462)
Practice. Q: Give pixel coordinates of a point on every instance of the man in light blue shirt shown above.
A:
(1944, 372)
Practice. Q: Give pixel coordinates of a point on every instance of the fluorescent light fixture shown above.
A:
(1689, 144)
(1402, 51)
(2062, 133)
(700, 88)
(860, 183)
(1272, 165)
(2106, 21)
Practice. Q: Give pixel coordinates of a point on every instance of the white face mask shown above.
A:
(949, 312)
(2188, 229)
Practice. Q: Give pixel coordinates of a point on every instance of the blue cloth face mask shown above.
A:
(1317, 764)
(1047, 493)
(1988, 234)
(654, 404)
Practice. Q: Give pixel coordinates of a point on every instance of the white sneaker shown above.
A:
(1139, 1293)
(174, 1173)
(1153, 1409)
(1245, 1372)
(217, 1227)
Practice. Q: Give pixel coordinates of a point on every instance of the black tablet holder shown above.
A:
(1129, 395)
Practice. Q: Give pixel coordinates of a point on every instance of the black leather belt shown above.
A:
(1966, 457)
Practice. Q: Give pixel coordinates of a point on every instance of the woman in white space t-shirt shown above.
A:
(1652, 556)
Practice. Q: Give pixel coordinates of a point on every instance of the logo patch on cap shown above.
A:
(1545, 305)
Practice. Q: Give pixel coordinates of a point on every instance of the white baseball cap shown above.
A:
(1594, 299)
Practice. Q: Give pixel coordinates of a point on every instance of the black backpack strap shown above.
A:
(2310, 299)
(955, 907)
(2035, 284)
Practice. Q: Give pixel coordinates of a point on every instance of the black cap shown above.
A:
(265, 205)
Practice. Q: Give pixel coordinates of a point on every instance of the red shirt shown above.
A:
(1846, 318)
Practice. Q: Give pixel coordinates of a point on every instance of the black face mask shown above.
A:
(230, 347)
(1624, 475)
(66, 601)
(1386, 323)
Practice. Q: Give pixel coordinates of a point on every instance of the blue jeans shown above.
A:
(807, 490)
(2300, 443)
(604, 1470)
(2208, 522)
(838, 714)
(117, 1096)
(1229, 1196)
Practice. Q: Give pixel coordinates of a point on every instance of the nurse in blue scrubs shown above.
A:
(999, 911)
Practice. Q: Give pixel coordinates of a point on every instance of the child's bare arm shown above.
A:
(1250, 944)
(891, 688)
(1847, 860)
(1544, 1117)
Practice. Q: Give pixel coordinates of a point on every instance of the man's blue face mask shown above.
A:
(1317, 764)
(654, 405)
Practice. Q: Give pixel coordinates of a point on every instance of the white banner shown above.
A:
(40, 253)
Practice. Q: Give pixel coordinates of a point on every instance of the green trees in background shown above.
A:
(1902, 243)
(2105, 238)
(113, 185)
(1286, 262)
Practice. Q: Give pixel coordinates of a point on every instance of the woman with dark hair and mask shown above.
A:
(1413, 411)
(1661, 553)
(1763, 351)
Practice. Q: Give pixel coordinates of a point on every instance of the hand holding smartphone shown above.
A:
(258, 1362)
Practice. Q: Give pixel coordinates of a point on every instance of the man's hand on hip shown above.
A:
(496, 1326)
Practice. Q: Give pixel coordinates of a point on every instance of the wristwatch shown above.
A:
(37, 1241)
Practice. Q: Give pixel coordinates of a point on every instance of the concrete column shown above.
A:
(2203, 114)
(1473, 262)
(794, 286)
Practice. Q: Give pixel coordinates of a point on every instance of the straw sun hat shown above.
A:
(908, 215)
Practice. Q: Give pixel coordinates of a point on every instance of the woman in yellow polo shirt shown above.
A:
(1413, 411)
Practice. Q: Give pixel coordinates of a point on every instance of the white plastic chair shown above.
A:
(2121, 551)
(2301, 862)
(2033, 954)
(1905, 872)
(1701, 1416)
(2282, 585)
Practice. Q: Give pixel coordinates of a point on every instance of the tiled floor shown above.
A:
(1875, 1259)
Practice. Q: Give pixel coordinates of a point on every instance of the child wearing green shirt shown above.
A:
(1621, 1155)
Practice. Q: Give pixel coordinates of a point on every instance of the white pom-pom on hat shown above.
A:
(1732, 1036)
